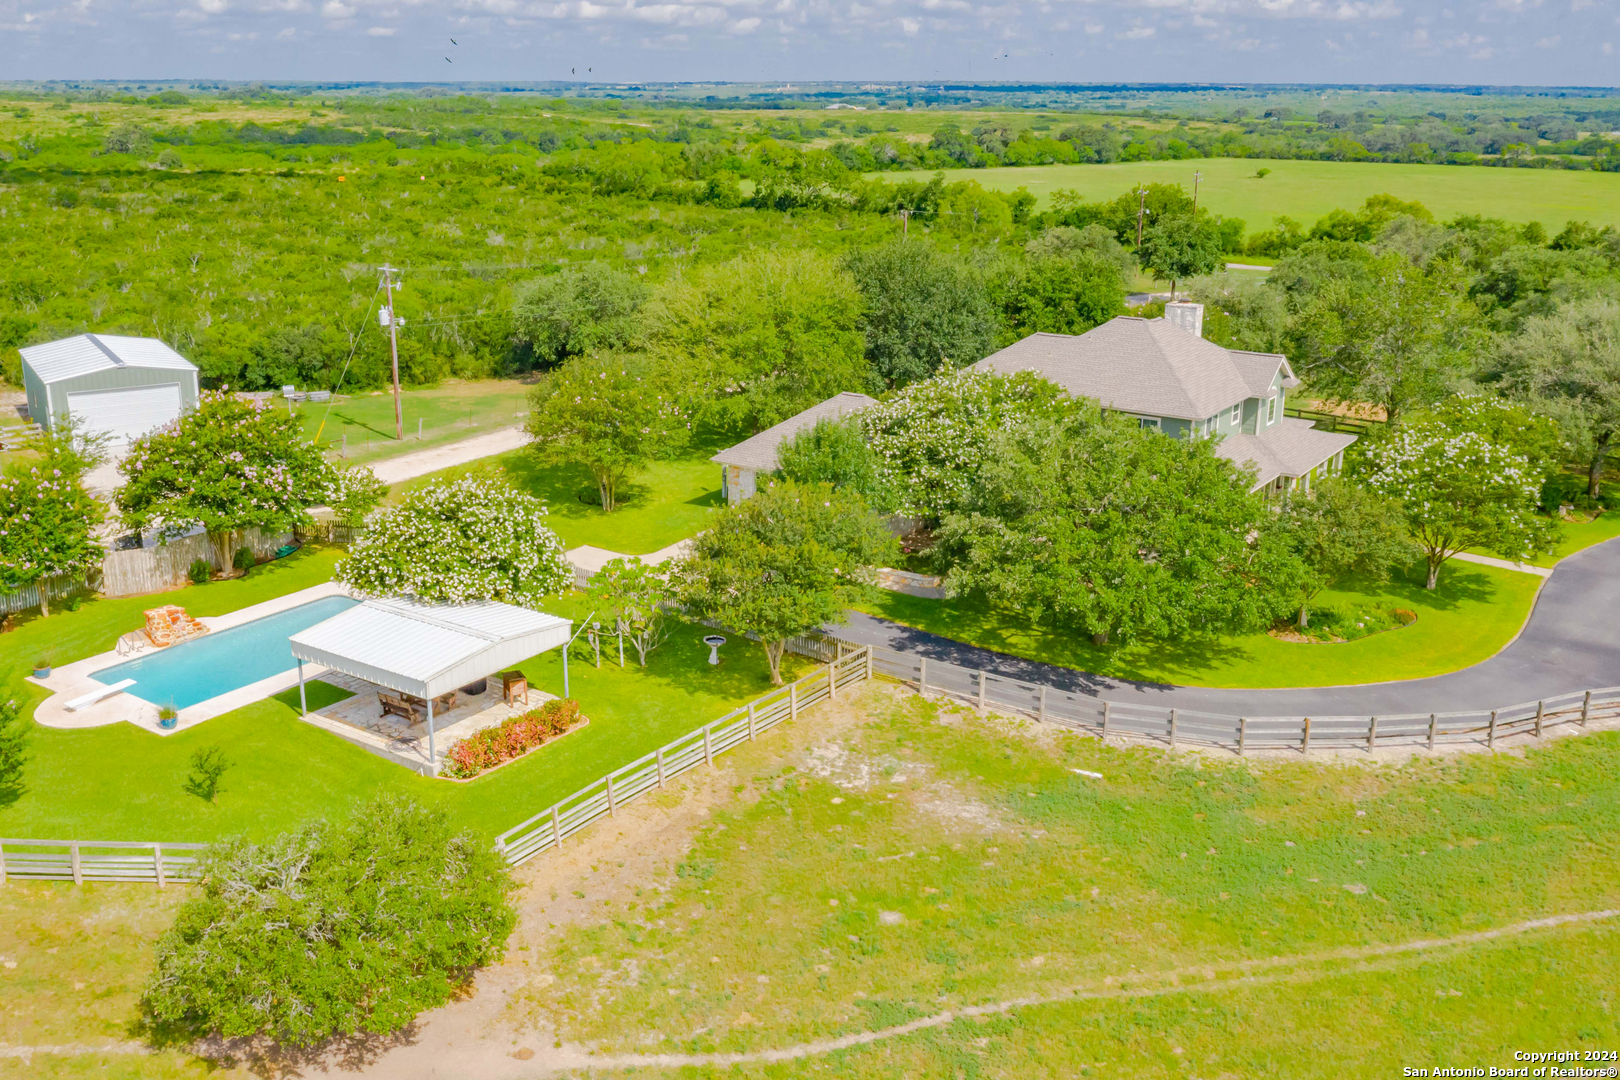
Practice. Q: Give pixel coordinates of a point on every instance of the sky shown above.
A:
(1494, 42)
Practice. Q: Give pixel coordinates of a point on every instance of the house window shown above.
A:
(1271, 410)
(1149, 422)
(1237, 414)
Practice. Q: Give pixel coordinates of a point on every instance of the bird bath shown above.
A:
(714, 641)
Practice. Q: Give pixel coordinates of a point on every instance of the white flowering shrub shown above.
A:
(352, 493)
(476, 538)
(1458, 490)
(932, 437)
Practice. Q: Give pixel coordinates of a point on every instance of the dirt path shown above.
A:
(422, 462)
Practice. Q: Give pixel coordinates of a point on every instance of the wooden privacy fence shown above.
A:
(79, 861)
(1177, 726)
(551, 826)
(168, 566)
(28, 595)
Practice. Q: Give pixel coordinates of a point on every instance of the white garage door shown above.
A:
(126, 414)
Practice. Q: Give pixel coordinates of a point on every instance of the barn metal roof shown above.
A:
(428, 649)
(86, 353)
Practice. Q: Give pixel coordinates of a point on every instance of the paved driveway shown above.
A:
(1572, 642)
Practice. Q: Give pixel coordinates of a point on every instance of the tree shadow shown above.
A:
(267, 1058)
(350, 421)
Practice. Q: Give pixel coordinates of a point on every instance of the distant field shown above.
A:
(1305, 190)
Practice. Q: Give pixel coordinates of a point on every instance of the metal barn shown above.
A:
(121, 387)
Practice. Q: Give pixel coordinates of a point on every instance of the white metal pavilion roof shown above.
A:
(81, 355)
(428, 649)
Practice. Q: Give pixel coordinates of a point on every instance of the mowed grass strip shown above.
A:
(935, 860)
(1472, 615)
(442, 414)
(1306, 190)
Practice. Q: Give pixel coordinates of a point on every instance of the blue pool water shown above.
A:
(223, 661)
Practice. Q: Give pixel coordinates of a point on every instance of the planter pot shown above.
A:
(168, 723)
(42, 672)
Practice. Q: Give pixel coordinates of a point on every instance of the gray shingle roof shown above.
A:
(759, 452)
(1147, 366)
(58, 360)
(1292, 447)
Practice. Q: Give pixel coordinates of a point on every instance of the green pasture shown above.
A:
(1187, 916)
(1473, 614)
(665, 502)
(1306, 190)
(363, 424)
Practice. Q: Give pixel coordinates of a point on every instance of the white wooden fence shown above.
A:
(79, 861)
(168, 566)
(551, 826)
(28, 595)
(1176, 726)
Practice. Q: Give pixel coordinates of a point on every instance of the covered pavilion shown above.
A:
(426, 650)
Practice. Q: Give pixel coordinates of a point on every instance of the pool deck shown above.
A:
(73, 680)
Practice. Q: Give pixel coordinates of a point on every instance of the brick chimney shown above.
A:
(1187, 315)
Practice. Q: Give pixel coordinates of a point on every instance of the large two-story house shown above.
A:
(1170, 378)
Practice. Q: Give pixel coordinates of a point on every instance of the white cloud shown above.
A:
(381, 31)
(1608, 48)
(1136, 33)
(213, 7)
(744, 26)
(1095, 28)
(336, 9)
(1549, 42)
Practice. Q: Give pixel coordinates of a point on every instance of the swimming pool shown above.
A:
(225, 660)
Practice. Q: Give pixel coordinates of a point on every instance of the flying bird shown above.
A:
(448, 60)
(453, 41)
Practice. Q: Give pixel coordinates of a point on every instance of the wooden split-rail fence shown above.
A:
(1190, 727)
(79, 861)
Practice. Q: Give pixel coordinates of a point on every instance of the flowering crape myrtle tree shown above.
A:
(1459, 490)
(610, 415)
(46, 524)
(353, 493)
(933, 437)
(631, 596)
(228, 465)
(784, 563)
(476, 538)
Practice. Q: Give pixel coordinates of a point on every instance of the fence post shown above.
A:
(981, 691)
(1539, 706)
(922, 677)
(1172, 729)
(708, 750)
(2, 864)
(793, 708)
(157, 865)
(1372, 732)
(613, 807)
(78, 872)
(1431, 730)
(1243, 735)
(1305, 742)
(750, 721)
(556, 826)
(1490, 737)
(1106, 706)
(832, 682)
(1042, 716)
(869, 663)
(1586, 708)
(660, 766)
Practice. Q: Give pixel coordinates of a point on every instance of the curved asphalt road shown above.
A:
(1572, 642)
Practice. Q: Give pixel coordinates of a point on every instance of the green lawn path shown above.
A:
(443, 414)
(1474, 613)
(1573, 537)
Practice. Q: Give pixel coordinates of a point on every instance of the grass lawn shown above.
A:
(1474, 613)
(1574, 537)
(449, 413)
(121, 783)
(1306, 190)
(932, 860)
(669, 501)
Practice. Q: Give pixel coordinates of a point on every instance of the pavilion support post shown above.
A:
(303, 702)
(565, 672)
(433, 754)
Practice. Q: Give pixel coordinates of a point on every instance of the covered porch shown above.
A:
(414, 665)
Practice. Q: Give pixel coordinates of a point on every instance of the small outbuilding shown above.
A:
(120, 387)
(743, 463)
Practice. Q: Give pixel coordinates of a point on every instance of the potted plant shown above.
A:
(42, 666)
(168, 717)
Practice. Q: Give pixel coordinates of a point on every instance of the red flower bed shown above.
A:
(511, 738)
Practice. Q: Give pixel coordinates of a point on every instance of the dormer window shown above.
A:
(1237, 414)
(1271, 410)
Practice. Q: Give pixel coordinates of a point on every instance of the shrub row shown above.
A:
(512, 738)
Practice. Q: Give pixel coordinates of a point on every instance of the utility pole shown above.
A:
(388, 273)
(1197, 176)
(905, 224)
(1141, 212)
